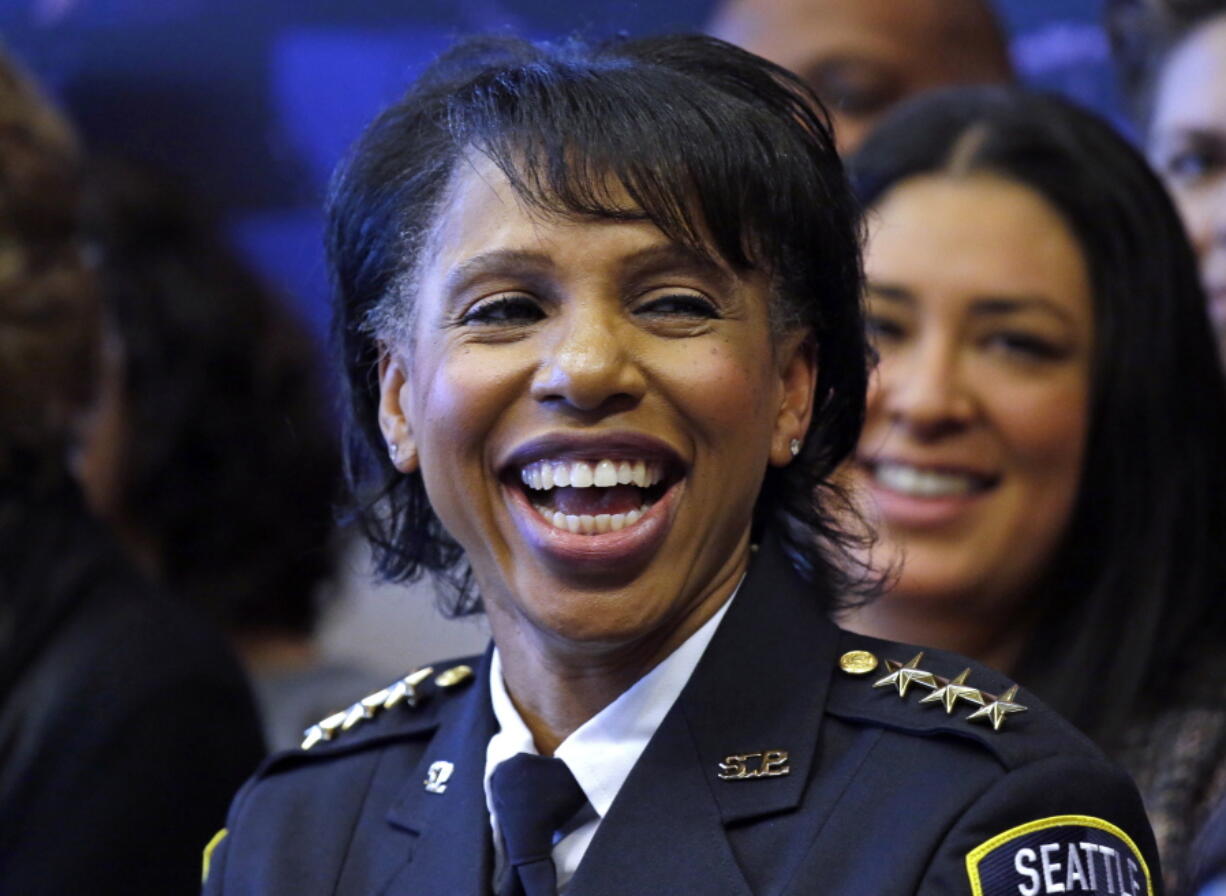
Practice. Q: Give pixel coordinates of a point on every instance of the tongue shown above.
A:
(594, 501)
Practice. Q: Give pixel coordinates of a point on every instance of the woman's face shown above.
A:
(593, 408)
(864, 56)
(1187, 146)
(980, 307)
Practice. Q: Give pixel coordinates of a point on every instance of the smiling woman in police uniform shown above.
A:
(601, 326)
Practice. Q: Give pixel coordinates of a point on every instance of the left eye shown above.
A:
(680, 305)
(506, 310)
(1025, 345)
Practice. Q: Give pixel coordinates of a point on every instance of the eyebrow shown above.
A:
(1199, 132)
(498, 261)
(644, 263)
(675, 257)
(983, 306)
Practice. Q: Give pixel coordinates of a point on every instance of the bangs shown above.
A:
(715, 173)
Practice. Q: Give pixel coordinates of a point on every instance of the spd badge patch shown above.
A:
(1062, 854)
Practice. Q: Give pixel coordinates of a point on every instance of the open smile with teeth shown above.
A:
(918, 482)
(591, 497)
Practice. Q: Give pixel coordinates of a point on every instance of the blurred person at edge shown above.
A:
(861, 57)
(215, 498)
(125, 721)
(1170, 56)
(1045, 430)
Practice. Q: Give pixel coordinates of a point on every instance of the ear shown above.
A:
(798, 381)
(395, 419)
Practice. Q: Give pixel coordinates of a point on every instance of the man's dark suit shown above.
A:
(883, 795)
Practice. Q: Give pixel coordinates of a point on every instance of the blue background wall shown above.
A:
(253, 101)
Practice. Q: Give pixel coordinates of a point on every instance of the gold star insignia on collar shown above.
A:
(954, 690)
(903, 676)
(1000, 707)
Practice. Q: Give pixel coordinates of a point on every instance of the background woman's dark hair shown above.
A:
(1138, 582)
(1142, 33)
(48, 306)
(229, 469)
(721, 150)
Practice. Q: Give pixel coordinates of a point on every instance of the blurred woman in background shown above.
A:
(125, 723)
(1171, 57)
(212, 452)
(1045, 432)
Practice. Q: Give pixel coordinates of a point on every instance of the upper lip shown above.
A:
(593, 446)
(953, 468)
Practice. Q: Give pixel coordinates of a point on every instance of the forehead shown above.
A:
(967, 237)
(1192, 88)
(798, 34)
(483, 213)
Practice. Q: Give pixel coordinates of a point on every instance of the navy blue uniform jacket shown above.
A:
(883, 794)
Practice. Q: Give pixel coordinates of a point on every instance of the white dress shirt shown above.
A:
(601, 752)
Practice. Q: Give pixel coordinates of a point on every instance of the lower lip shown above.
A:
(911, 511)
(603, 552)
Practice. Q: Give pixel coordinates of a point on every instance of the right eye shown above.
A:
(514, 309)
(1187, 166)
(1193, 161)
(883, 330)
(857, 90)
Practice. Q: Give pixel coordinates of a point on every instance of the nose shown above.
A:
(924, 390)
(589, 363)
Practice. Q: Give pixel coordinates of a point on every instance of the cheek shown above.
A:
(872, 408)
(876, 418)
(461, 399)
(1044, 431)
(1200, 206)
(722, 387)
(455, 419)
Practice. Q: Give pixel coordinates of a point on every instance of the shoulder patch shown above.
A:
(408, 691)
(1061, 854)
(208, 854)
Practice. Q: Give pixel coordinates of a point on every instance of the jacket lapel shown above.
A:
(760, 687)
(663, 833)
(453, 853)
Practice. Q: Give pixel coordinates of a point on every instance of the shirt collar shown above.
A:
(603, 750)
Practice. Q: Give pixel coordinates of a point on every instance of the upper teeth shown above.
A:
(547, 474)
(910, 480)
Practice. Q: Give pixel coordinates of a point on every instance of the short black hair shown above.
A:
(721, 150)
(1138, 580)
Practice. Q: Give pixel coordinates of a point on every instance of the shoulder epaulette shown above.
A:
(948, 693)
(412, 691)
(936, 692)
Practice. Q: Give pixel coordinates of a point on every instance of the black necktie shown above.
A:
(534, 796)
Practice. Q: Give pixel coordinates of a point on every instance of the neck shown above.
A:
(992, 640)
(557, 684)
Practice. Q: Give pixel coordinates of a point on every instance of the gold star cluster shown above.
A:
(405, 691)
(992, 708)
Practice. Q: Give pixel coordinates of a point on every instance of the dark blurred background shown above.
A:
(252, 102)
